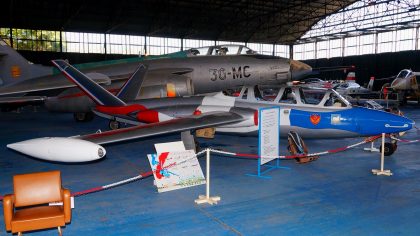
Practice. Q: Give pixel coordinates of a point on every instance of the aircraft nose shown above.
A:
(299, 69)
(399, 124)
(397, 84)
(377, 122)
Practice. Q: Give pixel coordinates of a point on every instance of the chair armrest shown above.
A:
(8, 205)
(66, 205)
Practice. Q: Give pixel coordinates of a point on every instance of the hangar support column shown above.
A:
(291, 51)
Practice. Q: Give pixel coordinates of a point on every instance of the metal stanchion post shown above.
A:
(382, 171)
(207, 199)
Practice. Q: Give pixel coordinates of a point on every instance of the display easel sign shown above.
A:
(176, 170)
(268, 139)
(269, 134)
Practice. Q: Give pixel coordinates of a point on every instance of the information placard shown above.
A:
(269, 134)
(176, 170)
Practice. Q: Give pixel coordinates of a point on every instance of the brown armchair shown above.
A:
(31, 194)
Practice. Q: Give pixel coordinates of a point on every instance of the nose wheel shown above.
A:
(389, 148)
(113, 124)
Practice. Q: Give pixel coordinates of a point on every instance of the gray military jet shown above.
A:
(194, 71)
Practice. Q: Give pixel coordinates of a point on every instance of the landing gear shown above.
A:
(190, 141)
(113, 124)
(389, 148)
(83, 116)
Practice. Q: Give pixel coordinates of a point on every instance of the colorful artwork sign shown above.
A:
(176, 170)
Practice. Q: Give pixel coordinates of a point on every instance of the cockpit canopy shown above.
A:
(302, 96)
(230, 49)
(404, 74)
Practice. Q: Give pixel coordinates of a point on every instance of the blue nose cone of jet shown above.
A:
(374, 122)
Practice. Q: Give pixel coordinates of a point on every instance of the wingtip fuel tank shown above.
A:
(60, 149)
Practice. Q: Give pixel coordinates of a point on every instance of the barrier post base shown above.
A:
(204, 199)
(381, 172)
(372, 148)
(260, 173)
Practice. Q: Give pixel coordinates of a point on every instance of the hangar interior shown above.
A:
(336, 194)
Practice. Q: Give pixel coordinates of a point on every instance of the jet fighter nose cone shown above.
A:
(399, 124)
(397, 84)
(299, 69)
(374, 122)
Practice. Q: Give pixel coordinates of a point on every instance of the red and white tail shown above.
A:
(370, 84)
(351, 76)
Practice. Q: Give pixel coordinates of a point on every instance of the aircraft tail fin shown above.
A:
(370, 84)
(96, 92)
(15, 68)
(351, 76)
(131, 88)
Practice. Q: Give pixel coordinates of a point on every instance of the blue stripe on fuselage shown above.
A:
(346, 120)
(360, 120)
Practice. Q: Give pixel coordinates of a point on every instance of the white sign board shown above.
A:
(169, 147)
(269, 134)
(176, 170)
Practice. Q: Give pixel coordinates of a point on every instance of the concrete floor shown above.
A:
(335, 195)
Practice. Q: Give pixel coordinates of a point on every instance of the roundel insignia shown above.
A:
(315, 119)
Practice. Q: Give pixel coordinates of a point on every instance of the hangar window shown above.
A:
(155, 45)
(172, 45)
(386, 42)
(83, 42)
(298, 51)
(229, 42)
(36, 40)
(322, 49)
(5, 34)
(336, 48)
(261, 48)
(281, 50)
(159, 46)
(195, 43)
(405, 39)
(366, 27)
(304, 51)
(367, 44)
(116, 44)
(350, 46)
(200, 45)
(135, 45)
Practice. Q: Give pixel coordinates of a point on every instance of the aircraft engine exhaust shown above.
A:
(60, 149)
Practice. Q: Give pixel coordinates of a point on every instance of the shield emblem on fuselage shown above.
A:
(315, 119)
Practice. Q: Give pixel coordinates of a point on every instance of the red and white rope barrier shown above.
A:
(254, 156)
(132, 179)
(406, 140)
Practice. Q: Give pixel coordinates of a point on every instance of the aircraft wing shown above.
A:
(20, 101)
(45, 83)
(205, 120)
